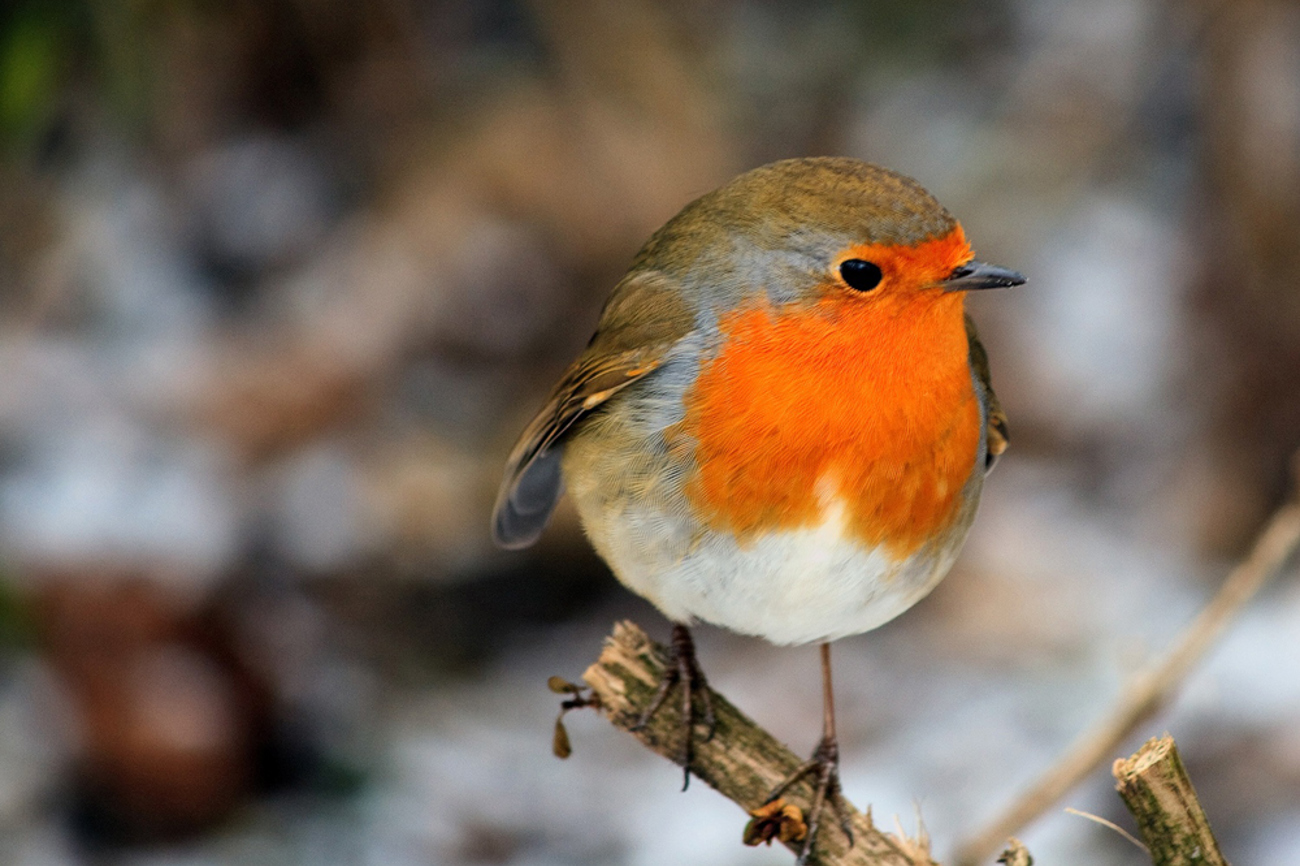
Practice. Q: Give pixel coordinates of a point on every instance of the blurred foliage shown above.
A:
(925, 34)
(118, 59)
(98, 51)
(16, 632)
(35, 47)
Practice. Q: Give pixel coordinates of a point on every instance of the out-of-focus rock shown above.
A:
(163, 733)
(259, 203)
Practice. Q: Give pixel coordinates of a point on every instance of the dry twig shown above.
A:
(1154, 785)
(1110, 825)
(1152, 688)
(1016, 854)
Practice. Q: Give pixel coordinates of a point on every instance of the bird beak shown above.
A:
(980, 275)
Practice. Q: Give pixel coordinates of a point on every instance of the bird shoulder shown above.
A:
(645, 316)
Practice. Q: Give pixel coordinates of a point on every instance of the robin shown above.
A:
(782, 423)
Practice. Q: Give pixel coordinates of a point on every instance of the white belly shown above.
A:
(790, 587)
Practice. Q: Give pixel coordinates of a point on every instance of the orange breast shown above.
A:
(866, 404)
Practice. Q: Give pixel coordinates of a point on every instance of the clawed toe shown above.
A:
(825, 764)
(683, 669)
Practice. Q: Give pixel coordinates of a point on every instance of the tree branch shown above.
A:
(1154, 785)
(742, 761)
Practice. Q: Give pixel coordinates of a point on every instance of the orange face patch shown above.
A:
(910, 268)
(859, 400)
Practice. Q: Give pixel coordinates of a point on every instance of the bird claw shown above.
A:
(683, 669)
(825, 761)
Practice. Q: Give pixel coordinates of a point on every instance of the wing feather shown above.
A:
(999, 435)
(643, 319)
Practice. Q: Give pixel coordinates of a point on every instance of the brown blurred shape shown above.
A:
(163, 727)
(1249, 292)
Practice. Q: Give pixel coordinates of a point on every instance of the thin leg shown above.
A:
(825, 761)
(684, 669)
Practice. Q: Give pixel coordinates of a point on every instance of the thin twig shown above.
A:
(1110, 825)
(1154, 785)
(1151, 689)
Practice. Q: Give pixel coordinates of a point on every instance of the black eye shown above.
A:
(860, 274)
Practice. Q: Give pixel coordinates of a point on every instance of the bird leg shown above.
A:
(825, 764)
(683, 669)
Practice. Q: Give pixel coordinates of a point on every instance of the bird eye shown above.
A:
(860, 274)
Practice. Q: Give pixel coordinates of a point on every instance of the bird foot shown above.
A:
(685, 671)
(824, 766)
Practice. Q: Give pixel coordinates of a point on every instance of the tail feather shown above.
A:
(524, 507)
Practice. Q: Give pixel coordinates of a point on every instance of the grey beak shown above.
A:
(981, 275)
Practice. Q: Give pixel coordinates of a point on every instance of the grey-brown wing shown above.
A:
(644, 318)
(532, 483)
(999, 435)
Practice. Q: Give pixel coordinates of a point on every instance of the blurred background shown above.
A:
(281, 280)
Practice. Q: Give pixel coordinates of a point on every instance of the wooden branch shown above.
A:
(1151, 689)
(1154, 785)
(742, 761)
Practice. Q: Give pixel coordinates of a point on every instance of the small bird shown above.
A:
(782, 423)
